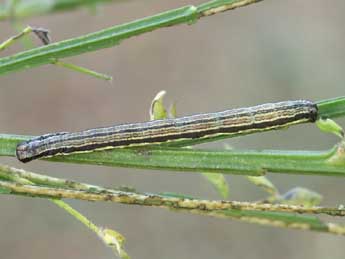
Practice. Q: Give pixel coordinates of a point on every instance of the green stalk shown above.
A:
(83, 70)
(332, 108)
(27, 30)
(113, 35)
(19, 182)
(91, 42)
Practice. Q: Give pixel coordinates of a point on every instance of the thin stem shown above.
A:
(193, 160)
(332, 108)
(82, 70)
(283, 220)
(218, 6)
(13, 39)
(155, 200)
(76, 215)
(265, 214)
(43, 35)
(25, 177)
(110, 237)
(111, 36)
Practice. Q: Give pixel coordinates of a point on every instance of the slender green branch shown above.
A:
(76, 215)
(43, 35)
(110, 237)
(218, 6)
(82, 70)
(19, 182)
(25, 177)
(108, 37)
(332, 108)
(11, 40)
(177, 159)
(154, 200)
(284, 220)
(228, 162)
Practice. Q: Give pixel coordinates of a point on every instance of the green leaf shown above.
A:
(328, 125)
(219, 182)
(173, 111)
(264, 183)
(157, 109)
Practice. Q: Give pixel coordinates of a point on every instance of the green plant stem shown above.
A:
(284, 220)
(82, 70)
(19, 176)
(116, 238)
(27, 30)
(111, 36)
(155, 200)
(332, 108)
(218, 6)
(76, 215)
(262, 216)
(21, 182)
(170, 202)
(46, 40)
(179, 159)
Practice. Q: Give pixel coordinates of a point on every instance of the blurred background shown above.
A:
(267, 52)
